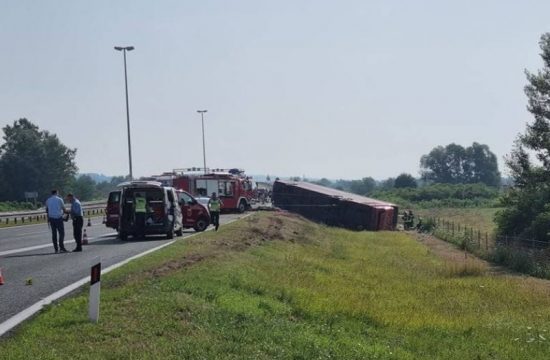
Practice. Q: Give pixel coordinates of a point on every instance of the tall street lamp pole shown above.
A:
(203, 144)
(124, 49)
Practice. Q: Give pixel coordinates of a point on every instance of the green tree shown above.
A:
(364, 186)
(84, 188)
(33, 160)
(405, 181)
(527, 209)
(454, 164)
(387, 184)
(324, 182)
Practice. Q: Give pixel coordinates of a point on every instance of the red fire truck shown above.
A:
(231, 185)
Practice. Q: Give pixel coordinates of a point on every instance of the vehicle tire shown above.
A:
(179, 232)
(170, 234)
(123, 236)
(242, 206)
(201, 224)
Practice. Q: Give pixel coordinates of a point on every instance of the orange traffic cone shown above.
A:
(1, 277)
(85, 238)
(89, 222)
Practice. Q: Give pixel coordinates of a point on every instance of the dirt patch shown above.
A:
(445, 250)
(277, 226)
(178, 264)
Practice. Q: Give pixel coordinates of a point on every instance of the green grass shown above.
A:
(478, 218)
(276, 286)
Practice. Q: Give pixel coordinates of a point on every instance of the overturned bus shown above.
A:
(334, 207)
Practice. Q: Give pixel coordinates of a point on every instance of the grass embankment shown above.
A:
(276, 286)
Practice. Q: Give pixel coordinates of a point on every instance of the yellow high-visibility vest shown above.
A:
(215, 205)
(140, 205)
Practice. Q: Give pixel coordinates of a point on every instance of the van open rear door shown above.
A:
(113, 210)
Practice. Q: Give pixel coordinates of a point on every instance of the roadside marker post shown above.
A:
(95, 287)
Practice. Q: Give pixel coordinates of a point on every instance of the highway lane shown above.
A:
(51, 272)
(17, 237)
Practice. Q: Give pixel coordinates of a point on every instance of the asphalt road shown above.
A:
(27, 252)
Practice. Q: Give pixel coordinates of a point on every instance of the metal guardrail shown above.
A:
(90, 208)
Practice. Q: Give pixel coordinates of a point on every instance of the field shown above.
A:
(277, 286)
(478, 218)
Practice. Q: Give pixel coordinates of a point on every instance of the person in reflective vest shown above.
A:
(140, 211)
(215, 205)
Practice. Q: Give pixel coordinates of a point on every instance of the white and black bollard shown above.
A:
(95, 287)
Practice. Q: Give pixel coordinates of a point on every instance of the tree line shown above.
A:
(35, 160)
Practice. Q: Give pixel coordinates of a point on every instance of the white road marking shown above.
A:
(36, 307)
(36, 247)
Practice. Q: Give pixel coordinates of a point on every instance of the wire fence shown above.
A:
(482, 240)
(522, 254)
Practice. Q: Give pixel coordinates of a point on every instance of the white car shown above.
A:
(203, 200)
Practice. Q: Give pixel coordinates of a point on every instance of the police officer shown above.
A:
(78, 220)
(55, 208)
(214, 205)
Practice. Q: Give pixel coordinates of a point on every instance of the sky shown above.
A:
(336, 89)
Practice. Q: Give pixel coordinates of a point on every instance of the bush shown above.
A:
(442, 195)
(513, 259)
(8, 206)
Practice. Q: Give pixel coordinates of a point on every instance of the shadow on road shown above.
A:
(114, 240)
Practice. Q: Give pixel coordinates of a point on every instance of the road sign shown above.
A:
(31, 194)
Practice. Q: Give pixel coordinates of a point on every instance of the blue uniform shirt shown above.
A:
(76, 208)
(55, 206)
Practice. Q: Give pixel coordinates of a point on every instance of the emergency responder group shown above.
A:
(58, 214)
(408, 221)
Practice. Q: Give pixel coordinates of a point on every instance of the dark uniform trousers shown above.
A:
(78, 223)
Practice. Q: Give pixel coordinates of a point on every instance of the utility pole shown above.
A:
(203, 143)
(124, 49)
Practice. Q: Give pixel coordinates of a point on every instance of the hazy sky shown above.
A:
(317, 88)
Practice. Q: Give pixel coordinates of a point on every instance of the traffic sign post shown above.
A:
(95, 287)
